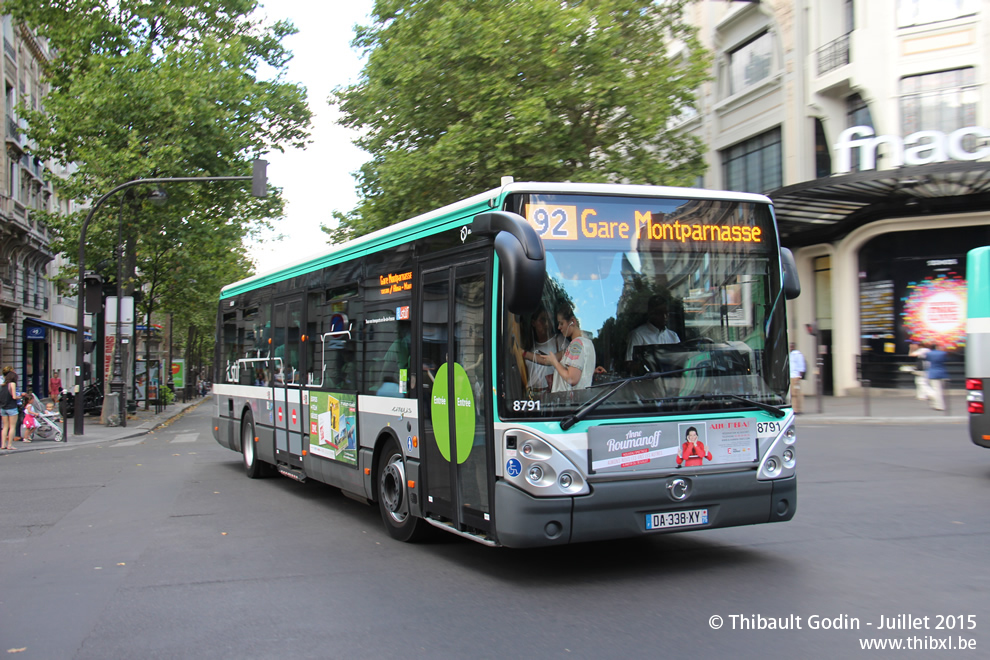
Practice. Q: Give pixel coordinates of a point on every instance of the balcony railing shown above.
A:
(833, 55)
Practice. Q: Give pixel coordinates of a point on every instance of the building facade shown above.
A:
(36, 322)
(864, 121)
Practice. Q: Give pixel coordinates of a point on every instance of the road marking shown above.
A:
(186, 437)
(129, 443)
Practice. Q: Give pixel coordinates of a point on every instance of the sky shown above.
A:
(317, 180)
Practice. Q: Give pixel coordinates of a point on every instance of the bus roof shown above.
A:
(454, 215)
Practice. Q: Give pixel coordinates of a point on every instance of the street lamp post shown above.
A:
(117, 381)
(258, 189)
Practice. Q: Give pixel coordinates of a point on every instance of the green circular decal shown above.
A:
(464, 413)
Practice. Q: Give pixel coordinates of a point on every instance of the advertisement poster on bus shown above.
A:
(629, 448)
(333, 426)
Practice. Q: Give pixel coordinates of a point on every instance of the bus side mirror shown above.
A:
(520, 250)
(792, 284)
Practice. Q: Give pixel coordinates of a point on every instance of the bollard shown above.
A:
(819, 380)
(866, 395)
(62, 410)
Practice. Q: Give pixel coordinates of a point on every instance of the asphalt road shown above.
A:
(160, 547)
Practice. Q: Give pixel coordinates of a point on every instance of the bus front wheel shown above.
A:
(393, 497)
(252, 466)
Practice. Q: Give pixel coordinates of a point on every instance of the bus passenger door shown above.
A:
(287, 377)
(455, 395)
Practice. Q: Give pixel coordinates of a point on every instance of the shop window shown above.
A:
(754, 165)
(941, 101)
(922, 12)
(750, 63)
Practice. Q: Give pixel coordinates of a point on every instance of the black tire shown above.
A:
(393, 497)
(253, 467)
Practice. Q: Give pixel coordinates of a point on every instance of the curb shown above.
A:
(139, 431)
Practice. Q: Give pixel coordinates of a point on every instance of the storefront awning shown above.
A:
(826, 209)
(57, 326)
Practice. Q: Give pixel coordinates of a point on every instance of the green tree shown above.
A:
(162, 88)
(457, 93)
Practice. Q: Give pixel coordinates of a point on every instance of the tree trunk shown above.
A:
(191, 364)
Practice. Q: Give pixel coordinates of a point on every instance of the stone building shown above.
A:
(865, 122)
(36, 323)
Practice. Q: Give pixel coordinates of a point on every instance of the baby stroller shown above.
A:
(49, 426)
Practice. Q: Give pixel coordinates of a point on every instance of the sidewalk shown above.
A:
(883, 407)
(140, 423)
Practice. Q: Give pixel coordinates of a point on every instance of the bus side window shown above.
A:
(332, 348)
(386, 363)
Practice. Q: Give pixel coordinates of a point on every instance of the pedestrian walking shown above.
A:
(54, 387)
(920, 353)
(799, 367)
(8, 409)
(938, 373)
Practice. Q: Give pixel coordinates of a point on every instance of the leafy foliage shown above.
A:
(163, 89)
(457, 93)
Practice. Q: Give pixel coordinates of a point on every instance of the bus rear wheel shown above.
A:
(252, 466)
(393, 497)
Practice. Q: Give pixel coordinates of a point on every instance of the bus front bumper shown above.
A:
(619, 509)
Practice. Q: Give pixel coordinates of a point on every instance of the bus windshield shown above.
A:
(684, 294)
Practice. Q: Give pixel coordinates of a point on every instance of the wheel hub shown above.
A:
(393, 485)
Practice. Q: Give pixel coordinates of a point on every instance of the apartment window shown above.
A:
(921, 12)
(942, 101)
(754, 165)
(857, 114)
(823, 156)
(13, 177)
(750, 63)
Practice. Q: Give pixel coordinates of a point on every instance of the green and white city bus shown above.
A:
(488, 368)
(978, 343)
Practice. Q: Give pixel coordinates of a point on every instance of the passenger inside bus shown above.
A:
(575, 370)
(543, 339)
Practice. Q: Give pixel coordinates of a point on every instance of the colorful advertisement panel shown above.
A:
(333, 426)
(179, 372)
(629, 448)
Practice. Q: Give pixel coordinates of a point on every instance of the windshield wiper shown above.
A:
(586, 409)
(773, 410)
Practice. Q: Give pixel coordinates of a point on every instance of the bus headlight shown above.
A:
(789, 457)
(780, 458)
(538, 467)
